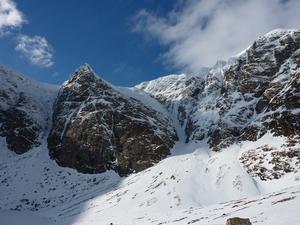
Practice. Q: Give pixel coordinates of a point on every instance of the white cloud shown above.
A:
(200, 32)
(10, 16)
(36, 49)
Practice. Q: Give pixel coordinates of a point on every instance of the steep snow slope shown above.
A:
(174, 93)
(186, 186)
(191, 100)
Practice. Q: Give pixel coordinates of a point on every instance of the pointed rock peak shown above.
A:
(84, 72)
(85, 68)
(85, 76)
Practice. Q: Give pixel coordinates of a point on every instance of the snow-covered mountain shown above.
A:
(191, 149)
(105, 128)
(241, 99)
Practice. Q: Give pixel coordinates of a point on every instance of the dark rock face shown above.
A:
(20, 130)
(23, 115)
(238, 221)
(261, 90)
(96, 128)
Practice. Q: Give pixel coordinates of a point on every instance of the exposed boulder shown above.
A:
(97, 128)
(238, 221)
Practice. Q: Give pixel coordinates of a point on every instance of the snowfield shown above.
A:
(192, 186)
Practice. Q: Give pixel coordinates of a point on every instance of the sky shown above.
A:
(129, 41)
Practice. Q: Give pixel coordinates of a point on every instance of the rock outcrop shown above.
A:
(268, 163)
(97, 128)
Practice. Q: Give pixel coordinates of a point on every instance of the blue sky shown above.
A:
(130, 41)
(97, 32)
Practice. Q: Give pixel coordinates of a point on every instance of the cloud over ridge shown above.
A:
(199, 32)
(36, 49)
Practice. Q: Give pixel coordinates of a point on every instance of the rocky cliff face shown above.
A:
(179, 94)
(243, 98)
(260, 88)
(96, 128)
(25, 110)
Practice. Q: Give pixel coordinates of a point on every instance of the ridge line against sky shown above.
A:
(198, 33)
(128, 42)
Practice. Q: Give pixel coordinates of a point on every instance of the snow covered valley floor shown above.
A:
(192, 186)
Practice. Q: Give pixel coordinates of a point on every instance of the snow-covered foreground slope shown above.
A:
(188, 186)
(278, 208)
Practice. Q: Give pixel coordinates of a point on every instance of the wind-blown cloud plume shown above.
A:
(10, 16)
(198, 33)
(36, 49)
